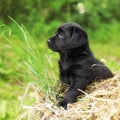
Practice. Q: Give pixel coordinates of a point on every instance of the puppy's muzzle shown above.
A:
(49, 42)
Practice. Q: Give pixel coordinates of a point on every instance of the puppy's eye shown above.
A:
(61, 35)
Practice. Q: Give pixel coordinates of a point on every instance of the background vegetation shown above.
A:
(24, 56)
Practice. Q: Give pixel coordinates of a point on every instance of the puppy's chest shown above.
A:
(65, 72)
(64, 65)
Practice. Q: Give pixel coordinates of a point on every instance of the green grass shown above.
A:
(10, 95)
(25, 59)
(28, 61)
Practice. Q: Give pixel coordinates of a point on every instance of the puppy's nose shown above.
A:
(49, 41)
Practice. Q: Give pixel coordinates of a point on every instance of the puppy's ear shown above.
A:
(78, 37)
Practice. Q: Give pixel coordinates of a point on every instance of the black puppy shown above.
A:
(77, 65)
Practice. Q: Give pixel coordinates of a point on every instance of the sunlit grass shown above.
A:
(10, 95)
(31, 62)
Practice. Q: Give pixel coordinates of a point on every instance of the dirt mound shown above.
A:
(101, 101)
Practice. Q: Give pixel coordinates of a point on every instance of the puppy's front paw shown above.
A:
(63, 104)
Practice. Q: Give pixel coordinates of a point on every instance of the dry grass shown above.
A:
(101, 101)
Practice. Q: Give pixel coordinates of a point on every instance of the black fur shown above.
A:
(77, 65)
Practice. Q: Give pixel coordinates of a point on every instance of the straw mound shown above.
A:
(101, 101)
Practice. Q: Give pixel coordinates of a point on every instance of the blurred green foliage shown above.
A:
(42, 17)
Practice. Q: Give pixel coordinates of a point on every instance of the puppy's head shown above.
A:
(68, 36)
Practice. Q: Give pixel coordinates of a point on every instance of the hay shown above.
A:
(101, 101)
